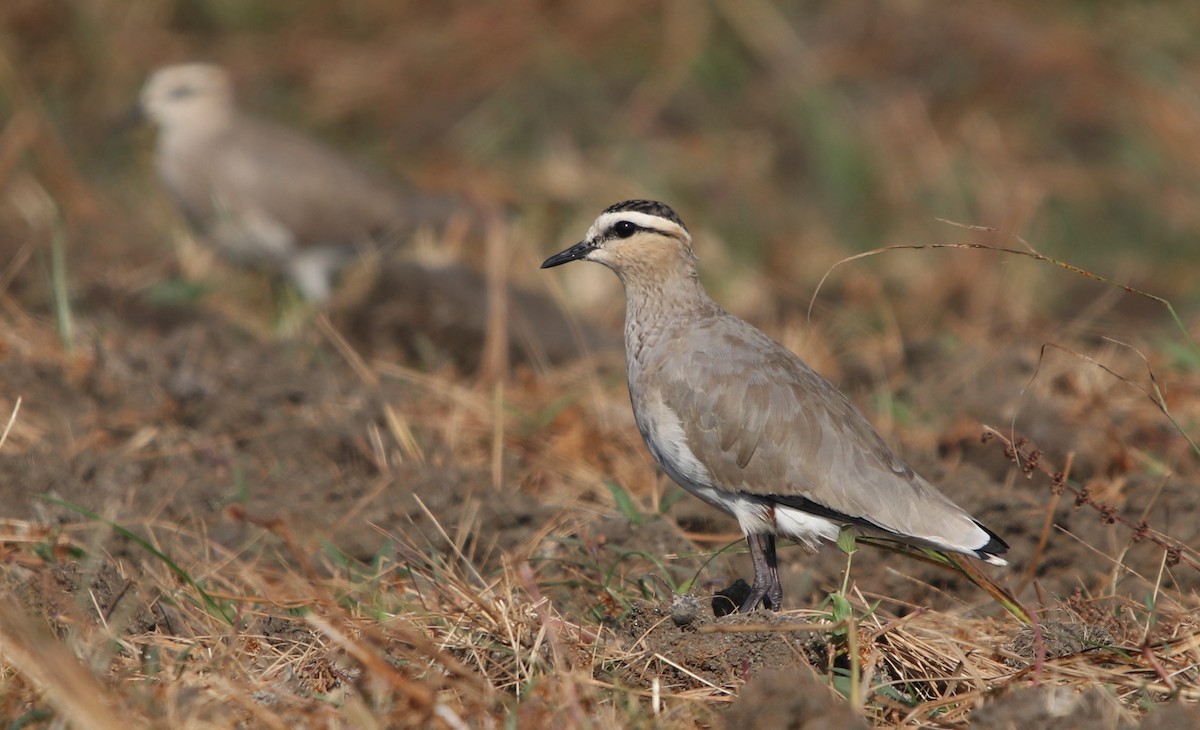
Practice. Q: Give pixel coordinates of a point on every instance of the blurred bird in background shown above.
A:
(265, 195)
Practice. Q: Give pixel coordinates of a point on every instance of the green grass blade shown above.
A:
(216, 609)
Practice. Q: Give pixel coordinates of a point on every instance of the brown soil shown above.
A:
(178, 414)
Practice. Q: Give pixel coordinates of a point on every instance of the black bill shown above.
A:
(574, 253)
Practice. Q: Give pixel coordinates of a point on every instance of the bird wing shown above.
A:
(762, 422)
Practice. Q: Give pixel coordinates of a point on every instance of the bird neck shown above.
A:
(655, 304)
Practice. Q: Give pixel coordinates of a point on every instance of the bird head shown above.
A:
(636, 235)
(188, 96)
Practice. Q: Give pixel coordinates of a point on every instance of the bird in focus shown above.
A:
(744, 424)
(265, 195)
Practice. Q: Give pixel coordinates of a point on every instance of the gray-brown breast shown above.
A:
(762, 422)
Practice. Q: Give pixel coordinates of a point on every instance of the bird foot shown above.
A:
(767, 590)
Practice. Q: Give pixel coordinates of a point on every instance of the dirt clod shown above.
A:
(1059, 639)
(718, 649)
(793, 700)
(1061, 708)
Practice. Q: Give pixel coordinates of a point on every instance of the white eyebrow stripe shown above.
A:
(643, 220)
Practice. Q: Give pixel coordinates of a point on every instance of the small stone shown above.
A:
(684, 609)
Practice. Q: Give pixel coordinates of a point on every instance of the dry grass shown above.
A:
(421, 638)
(286, 631)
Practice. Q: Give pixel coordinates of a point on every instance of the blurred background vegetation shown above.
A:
(787, 134)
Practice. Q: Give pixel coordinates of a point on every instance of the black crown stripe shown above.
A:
(650, 207)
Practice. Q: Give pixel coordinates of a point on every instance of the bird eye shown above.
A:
(624, 229)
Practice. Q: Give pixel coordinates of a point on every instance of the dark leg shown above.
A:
(767, 589)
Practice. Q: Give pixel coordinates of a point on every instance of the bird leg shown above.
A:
(767, 589)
